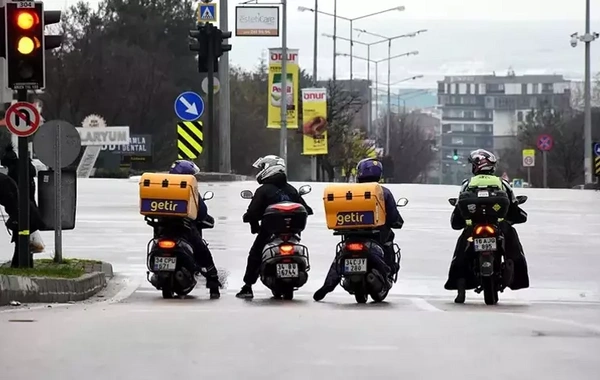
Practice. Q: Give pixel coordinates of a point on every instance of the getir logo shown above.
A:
(166, 206)
(354, 218)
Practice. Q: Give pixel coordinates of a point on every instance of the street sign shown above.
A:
(45, 147)
(528, 158)
(596, 149)
(22, 119)
(189, 106)
(207, 13)
(596, 152)
(517, 182)
(216, 85)
(93, 121)
(190, 140)
(545, 143)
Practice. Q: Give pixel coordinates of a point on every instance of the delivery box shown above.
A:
(169, 195)
(354, 206)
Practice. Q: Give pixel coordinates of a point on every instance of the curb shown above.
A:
(54, 290)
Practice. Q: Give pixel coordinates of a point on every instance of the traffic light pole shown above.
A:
(213, 156)
(22, 241)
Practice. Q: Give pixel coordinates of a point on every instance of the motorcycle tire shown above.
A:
(288, 295)
(361, 296)
(490, 291)
(167, 293)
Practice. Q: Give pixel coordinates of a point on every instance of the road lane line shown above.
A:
(569, 322)
(424, 305)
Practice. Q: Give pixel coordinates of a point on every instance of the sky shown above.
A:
(463, 37)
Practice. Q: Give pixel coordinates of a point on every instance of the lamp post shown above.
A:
(389, 41)
(400, 81)
(351, 20)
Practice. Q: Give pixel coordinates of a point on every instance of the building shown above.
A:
(484, 111)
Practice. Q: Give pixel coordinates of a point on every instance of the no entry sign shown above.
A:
(545, 143)
(22, 119)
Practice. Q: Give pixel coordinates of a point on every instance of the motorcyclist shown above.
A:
(274, 189)
(483, 166)
(371, 170)
(202, 254)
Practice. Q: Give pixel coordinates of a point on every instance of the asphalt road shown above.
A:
(550, 331)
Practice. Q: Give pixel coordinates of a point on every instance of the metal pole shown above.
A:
(529, 175)
(284, 84)
(351, 54)
(334, 39)
(587, 124)
(224, 100)
(313, 159)
(214, 138)
(377, 94)
(389, 97)
(370, 100)
(545, 168)
(22, 241)
(57, 198)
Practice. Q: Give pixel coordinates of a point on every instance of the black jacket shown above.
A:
(274, 190)
(9, 196)
(11, 162)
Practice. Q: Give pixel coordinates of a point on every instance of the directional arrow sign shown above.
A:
(189, 106)
(597, 149)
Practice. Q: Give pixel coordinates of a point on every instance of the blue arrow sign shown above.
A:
(189, 106)
(597, 149)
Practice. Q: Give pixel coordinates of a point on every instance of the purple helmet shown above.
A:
(184, 167)
(369, 170)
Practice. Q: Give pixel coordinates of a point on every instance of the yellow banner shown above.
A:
(314, 118)
(276, 92)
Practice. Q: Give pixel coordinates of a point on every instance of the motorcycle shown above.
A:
(285, 263)
(359, 253)
(170, 258)
(485, 209)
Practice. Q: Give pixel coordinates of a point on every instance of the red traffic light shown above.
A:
(27, 19)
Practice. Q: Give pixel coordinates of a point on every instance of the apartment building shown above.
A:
(484, 111)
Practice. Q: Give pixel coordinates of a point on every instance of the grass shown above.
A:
(69, 268)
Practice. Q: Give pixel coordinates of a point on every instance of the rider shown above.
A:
(483, 166)
(202, 254)
(274, 189)
(371, 170)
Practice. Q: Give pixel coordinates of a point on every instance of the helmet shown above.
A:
(184, 167)
(268, 166)
(369, 170)
(482, 162)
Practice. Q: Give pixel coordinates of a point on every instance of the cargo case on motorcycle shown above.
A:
(354, 206)
(169, 195)
(482, 203)
(284, 217)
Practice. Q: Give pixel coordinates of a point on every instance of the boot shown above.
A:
(213, 286)
(462, 292)
(245, 292)
(322, 292)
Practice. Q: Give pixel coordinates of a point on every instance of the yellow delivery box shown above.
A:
(169, 195)
(354, 206)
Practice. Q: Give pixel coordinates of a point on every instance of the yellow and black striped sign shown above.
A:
(190, 140)
(597, 166)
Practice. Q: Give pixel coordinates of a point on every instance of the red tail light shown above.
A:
(355, 246)
(166, 244)
(484, 229)
(286, 249)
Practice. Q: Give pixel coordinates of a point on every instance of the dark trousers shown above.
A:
(35, 223)
(255, 258)
(203, 256)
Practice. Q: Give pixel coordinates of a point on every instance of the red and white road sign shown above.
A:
(22, 119)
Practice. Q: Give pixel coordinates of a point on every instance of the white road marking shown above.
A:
(424, 305)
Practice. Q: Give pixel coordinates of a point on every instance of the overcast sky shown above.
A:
(463, 37)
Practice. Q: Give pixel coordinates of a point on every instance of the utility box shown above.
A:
(46, 191)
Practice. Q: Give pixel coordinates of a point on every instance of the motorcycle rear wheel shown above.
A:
(490, 290)
(361, 296)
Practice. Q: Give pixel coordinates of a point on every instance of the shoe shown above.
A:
(245, 292)
(213, 286)
(321, 293)
(462, 293)
(214, 293)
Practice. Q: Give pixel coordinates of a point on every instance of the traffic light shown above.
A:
(26, 43)
(455, 155)
(209, 45)
(219, 42)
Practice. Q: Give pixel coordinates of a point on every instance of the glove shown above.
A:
(12, 224)
(254, 228)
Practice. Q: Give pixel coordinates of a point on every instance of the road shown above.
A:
(551, 330)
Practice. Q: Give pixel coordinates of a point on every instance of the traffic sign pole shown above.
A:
(213, 157)
(25, 260)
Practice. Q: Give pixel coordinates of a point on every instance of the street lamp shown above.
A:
(368, 45)
(587, 38)
(389, 40)
(387, 128)
(351, 20)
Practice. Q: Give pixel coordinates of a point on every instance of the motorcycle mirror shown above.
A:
(522, 199)
(246, 194)
(452, 201)
(402, 202)
(208, 195)
(305, 189)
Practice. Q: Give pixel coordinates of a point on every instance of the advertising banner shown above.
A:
(256, 21)
(276, 92)
(314, 117)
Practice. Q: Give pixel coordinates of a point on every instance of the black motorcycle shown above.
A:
(360, 260)
(484, 209)
(285, 264)
(170, 258)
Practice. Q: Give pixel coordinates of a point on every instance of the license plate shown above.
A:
(287, 270)
(485, 244)
(483, 194)
(165, 263)
(355, 265)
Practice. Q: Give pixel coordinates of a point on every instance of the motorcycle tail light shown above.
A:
(355, 246)
(166, 244)
(286, 249)
(484, 229)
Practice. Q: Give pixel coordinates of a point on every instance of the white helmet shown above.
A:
(269, 166)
